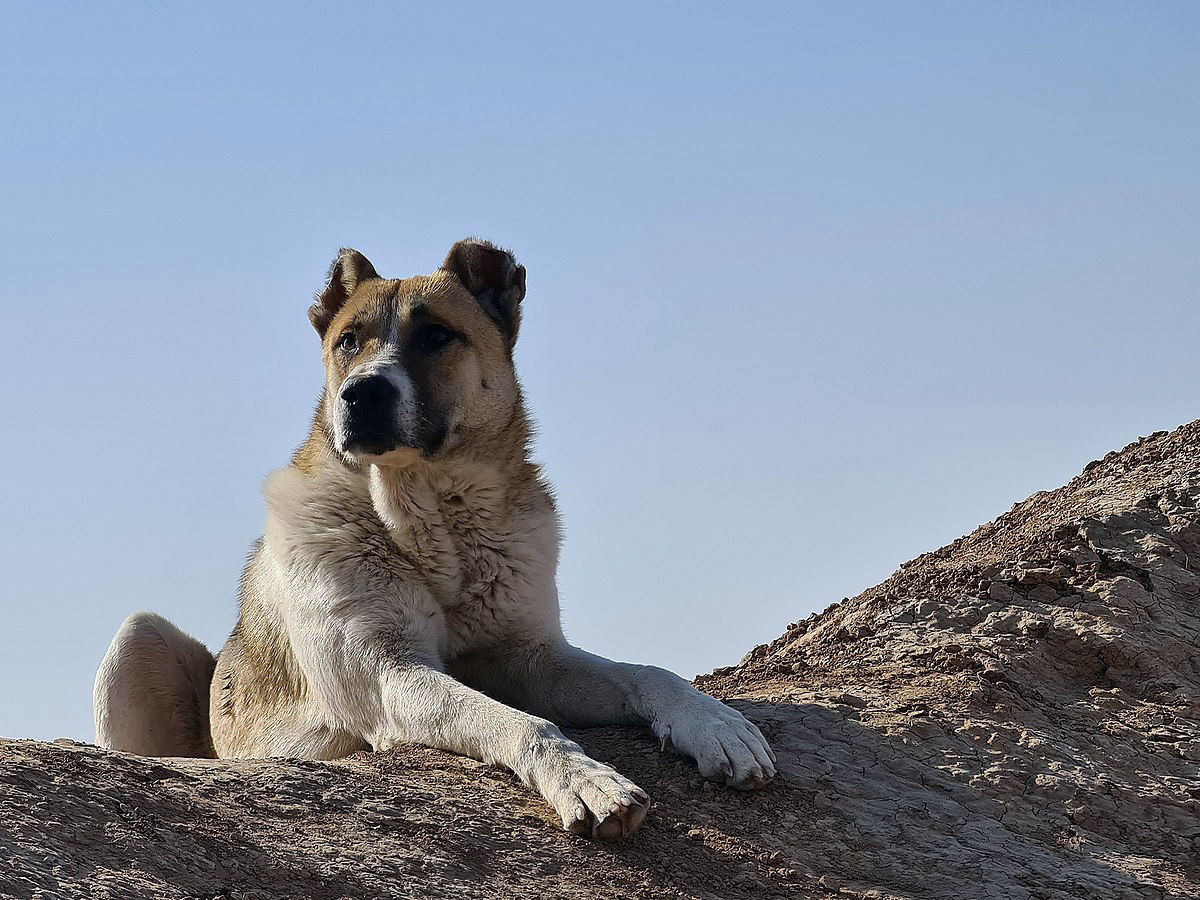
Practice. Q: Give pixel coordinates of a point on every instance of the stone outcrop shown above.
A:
(1014, 715)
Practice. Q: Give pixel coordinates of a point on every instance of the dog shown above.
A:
(404, 590)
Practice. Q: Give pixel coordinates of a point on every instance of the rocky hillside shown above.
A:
(1015, 715)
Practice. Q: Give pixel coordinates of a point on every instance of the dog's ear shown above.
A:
(347, 272)
(494, 278)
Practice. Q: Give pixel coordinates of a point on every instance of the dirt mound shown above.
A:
(1014, 715)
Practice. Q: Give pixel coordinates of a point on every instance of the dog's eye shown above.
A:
(434, 337)
(348, 342)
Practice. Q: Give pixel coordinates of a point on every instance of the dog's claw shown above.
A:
(753, 783)
(620, 823)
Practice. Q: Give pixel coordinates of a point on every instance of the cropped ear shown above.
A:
(346, 273)
(494, 278)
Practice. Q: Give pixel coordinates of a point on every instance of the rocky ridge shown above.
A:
(1015, 715)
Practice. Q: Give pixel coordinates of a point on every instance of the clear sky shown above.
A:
(813, 288)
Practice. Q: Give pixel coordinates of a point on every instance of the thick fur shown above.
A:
(404, 591)
(151, 693)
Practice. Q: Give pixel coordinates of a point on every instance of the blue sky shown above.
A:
(812, 288)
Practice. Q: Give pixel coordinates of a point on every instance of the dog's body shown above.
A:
(404, 591)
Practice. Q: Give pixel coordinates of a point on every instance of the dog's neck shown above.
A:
(485, 475)
(467, 524)
(465, 521)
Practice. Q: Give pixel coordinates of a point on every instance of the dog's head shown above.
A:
(419, 366)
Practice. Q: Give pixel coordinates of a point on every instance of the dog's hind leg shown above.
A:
(151, 692)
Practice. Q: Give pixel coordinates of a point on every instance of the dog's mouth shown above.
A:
(362, 444)
(396, 456)
(369, 445)
(384, 449)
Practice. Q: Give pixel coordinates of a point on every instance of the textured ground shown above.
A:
(1015, 715)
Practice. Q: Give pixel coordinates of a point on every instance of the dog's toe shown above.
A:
(752, 783)
(599, 802)
(608, 829)
(727, 748)
(624, 821)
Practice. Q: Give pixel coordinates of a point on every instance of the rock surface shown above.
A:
(1015, 715)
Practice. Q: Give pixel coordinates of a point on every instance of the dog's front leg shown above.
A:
(573, 687)
(419, 704)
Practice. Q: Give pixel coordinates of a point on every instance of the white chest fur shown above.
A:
(487, 553)
(484, 553)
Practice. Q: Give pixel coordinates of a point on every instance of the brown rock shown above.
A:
(1015, 715)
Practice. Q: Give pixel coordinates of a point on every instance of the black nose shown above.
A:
(369, 394)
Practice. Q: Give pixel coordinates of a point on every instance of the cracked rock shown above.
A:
(1014, 715)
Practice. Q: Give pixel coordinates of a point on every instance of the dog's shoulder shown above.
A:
(323, 519)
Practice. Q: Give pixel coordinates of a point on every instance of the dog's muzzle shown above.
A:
(369, 405)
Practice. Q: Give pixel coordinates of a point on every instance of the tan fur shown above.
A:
(405, 585)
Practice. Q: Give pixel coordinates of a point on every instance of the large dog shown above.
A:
(404, 591)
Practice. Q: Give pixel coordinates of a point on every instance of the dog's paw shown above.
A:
(726, 746)
(594, 799)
